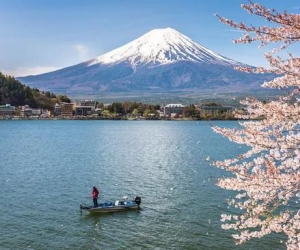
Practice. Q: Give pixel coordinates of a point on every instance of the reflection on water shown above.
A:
(48, 169)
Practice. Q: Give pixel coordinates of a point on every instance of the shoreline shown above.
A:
(109, 119)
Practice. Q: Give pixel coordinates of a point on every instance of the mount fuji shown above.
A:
(162, 60)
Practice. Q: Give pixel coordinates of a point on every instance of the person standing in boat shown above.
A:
(95, 194)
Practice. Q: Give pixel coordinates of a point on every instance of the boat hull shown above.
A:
(109, 207)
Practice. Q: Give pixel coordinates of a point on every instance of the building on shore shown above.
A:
(27, 111)
(80, 108)
(67, 109)
(85, 107)
(7, 110)
(57, 110)
(173, 109)
(64, 109)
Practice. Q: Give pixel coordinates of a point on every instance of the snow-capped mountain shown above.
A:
(162, 60)
(161, 46)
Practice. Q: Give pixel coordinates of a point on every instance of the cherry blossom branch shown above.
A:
(267, 176)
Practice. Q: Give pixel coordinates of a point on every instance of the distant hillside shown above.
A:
(17, 94)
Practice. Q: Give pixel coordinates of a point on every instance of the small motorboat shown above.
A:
(117, 206)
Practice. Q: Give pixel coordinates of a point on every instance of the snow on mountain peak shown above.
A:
(161, 46)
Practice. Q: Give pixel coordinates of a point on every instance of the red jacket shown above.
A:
(95, 194)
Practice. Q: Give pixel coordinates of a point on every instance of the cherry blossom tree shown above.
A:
(266, 178)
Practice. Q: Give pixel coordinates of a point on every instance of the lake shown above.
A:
(48, 168)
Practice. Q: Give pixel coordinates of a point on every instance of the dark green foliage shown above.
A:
(190, 111)
(128, 107)
(116, 107)
(17, 94)
(212, 104)
(63, 98)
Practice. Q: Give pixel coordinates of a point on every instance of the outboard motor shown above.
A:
(138, 200)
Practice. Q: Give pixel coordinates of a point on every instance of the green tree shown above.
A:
(146, 113)
(63, 98)
(106, 113)
(135, 112)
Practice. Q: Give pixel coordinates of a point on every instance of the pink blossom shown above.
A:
(267, 175)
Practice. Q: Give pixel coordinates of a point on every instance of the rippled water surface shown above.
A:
(48, 168)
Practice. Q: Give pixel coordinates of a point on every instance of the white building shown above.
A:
(173, 109)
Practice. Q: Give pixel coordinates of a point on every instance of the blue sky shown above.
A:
(38, 36)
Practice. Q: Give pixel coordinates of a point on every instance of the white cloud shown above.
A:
(75, 54)
(28, 71)
(82, 52)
